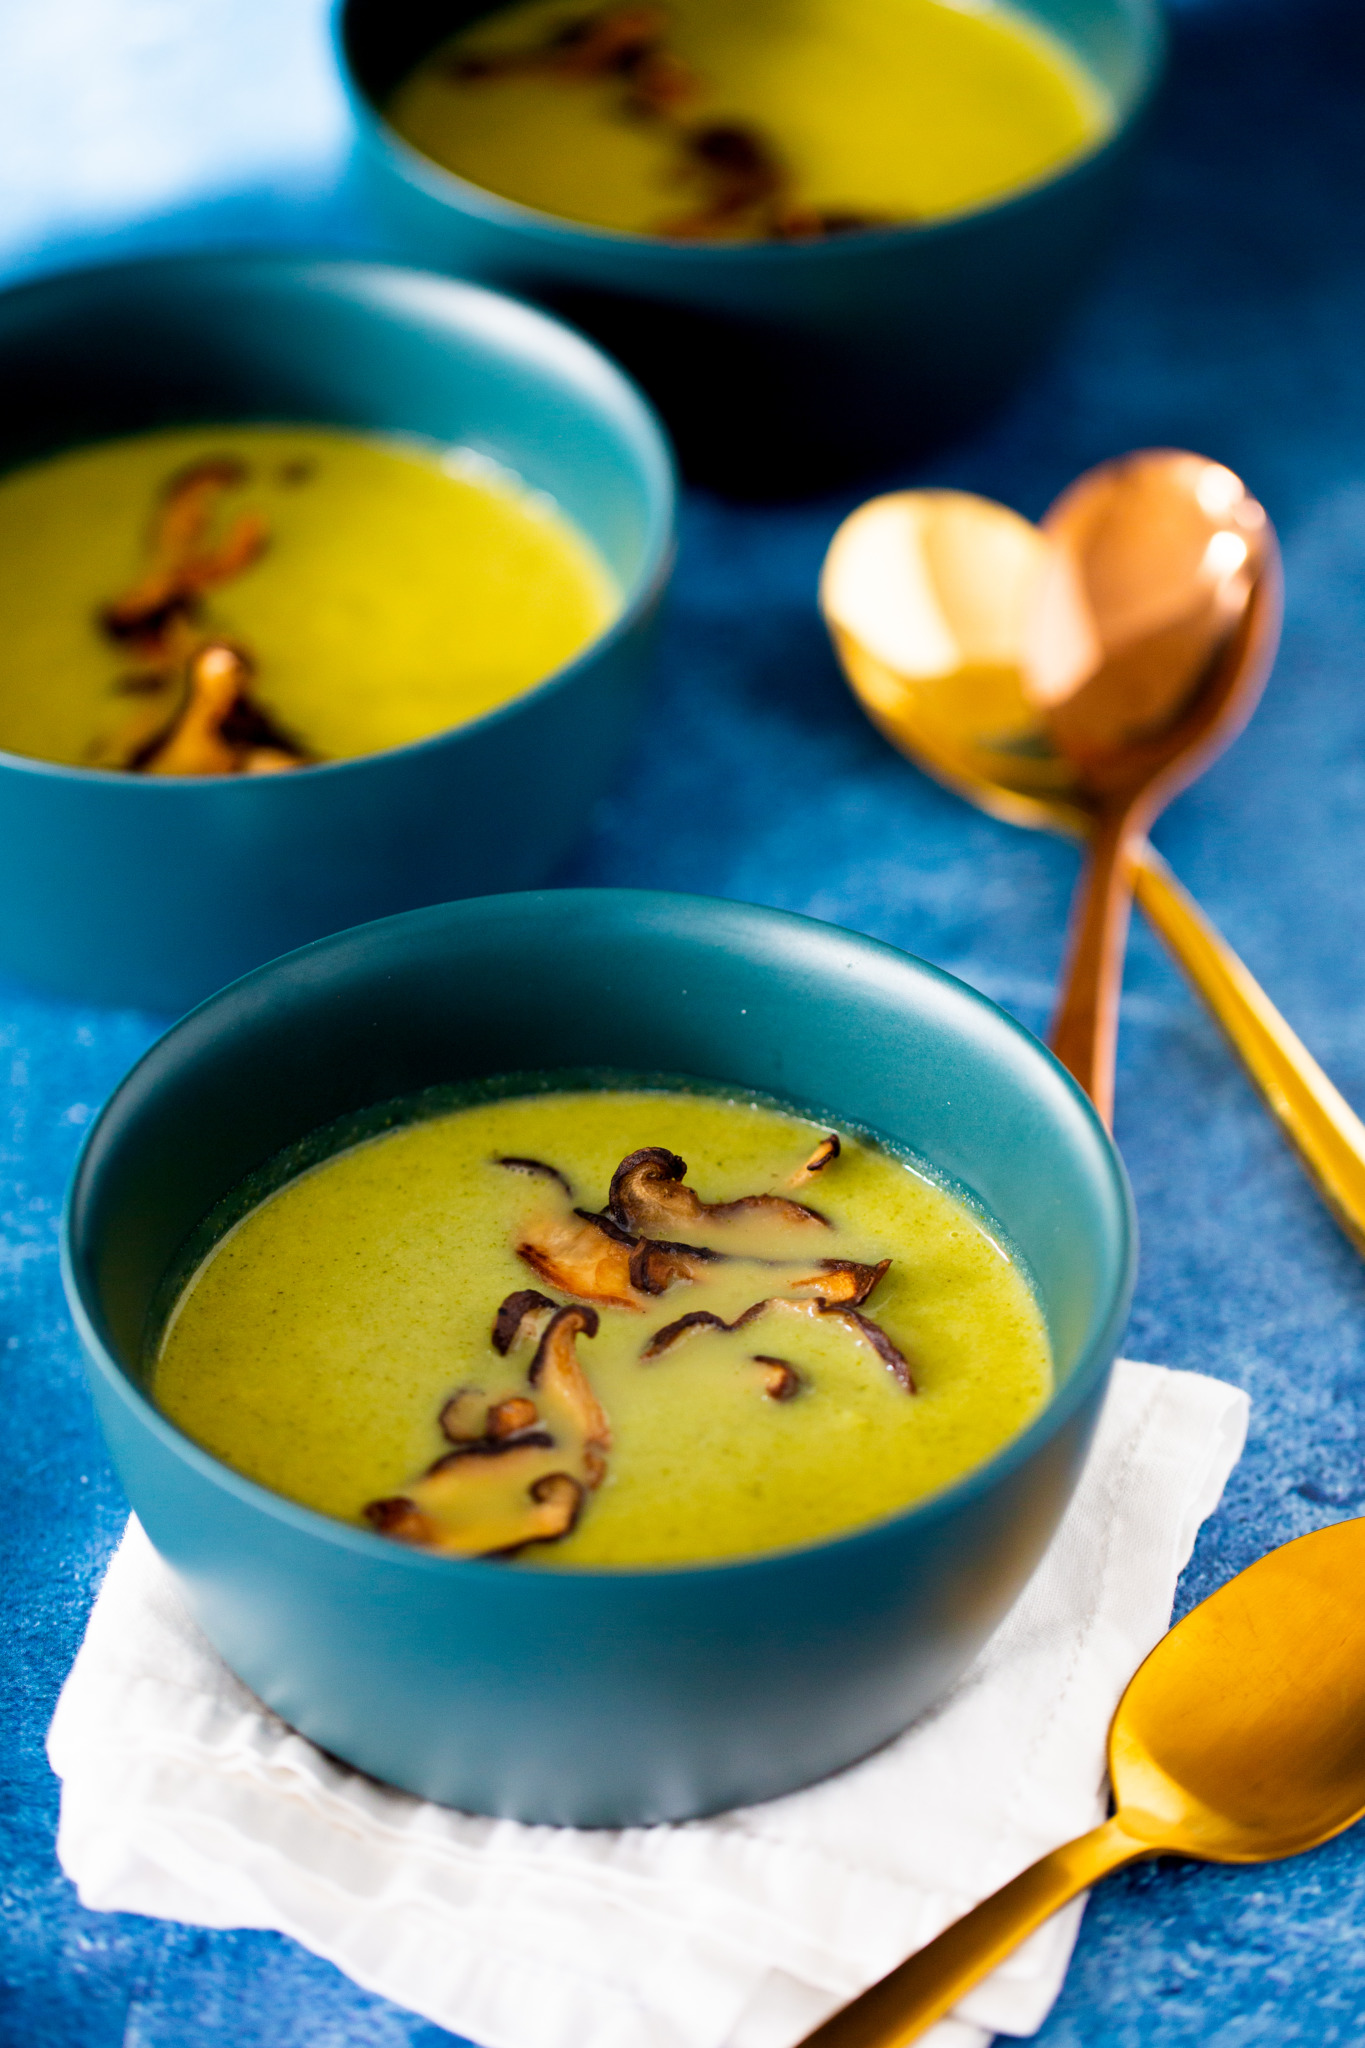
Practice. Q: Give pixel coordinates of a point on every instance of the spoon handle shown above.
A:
(930, 1983)
(1084, 1032)
(1316, 1119)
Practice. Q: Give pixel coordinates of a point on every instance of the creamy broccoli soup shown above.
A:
(777, 119)
(246, 599)
(606, 1327)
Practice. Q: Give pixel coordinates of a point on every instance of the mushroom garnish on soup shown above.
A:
(604, 1327)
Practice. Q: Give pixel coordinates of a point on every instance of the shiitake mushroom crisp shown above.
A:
(740, 185)
(521, 1467)
(192, 710)
(504, 1327)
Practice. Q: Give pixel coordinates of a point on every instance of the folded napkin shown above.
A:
(183, 1796)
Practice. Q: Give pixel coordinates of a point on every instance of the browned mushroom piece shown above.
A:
(660, 84)
(219, 730)
(606, 42)
(484, 1501)
(577, 1256)
(538, 1170)
(521, 1313)
(825, 1154)
(611, 41)
(656, 1266)
(195, 745)
(511, 1417)
(648, 1196)
(254, 732)
(890, 1354)
(841, 1282)
(397, 1516)
(464, 1418)
(699, 1319)
(781, 1381)
(861, 1326)
(182, 564)
(565, 1392)
(560, 1499)
(609, 1224)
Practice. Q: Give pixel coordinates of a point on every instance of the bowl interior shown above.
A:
(603, 978)
(356, 345)
(1118, 41)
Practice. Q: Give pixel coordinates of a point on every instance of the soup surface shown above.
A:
(338, 1342)
(776, 119)
(355, 593)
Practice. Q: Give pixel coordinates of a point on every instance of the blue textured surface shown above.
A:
(1231, 321)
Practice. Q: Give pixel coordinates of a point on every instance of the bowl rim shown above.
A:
(1087, 1375)
(1151, 40)
(651, 451)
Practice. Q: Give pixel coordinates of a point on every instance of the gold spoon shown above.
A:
(983, 648)
(1238, 1741)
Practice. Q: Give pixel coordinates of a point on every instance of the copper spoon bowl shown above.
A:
(933, 602)
(1076, 675)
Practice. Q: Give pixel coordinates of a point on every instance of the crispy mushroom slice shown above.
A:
(656, 1265)
(648, 1197)
(699, 1319)
(613, 41)
(219, 730)
(464, 1418)
(182, 565)
(195, 744)
(565, 1391)
(606, 1222)
(511, 1417)
(576, 1255)
(484, 1501)
(538, 1169)
(841, 1282)
(740, 176)
(891, 1356)
(520, 1314)
(825, 1154)
(605, 42)
(862, 1326)
(781, 1381)
(468, 1421)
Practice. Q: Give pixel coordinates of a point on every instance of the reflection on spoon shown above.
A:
(954, 684)
(1239, 1740)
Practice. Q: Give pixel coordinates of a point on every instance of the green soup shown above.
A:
(780, 118)
(377, 591)
(322, 1340)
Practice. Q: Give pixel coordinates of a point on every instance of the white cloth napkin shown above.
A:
(183, 1796)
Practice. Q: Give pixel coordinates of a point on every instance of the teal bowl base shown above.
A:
(613, 1702)
(594, 1698)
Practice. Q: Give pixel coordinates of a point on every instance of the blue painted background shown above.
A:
(1231, 319)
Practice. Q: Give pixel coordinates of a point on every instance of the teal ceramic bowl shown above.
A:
(153, 891)
(780, 366)
(595, 1697)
